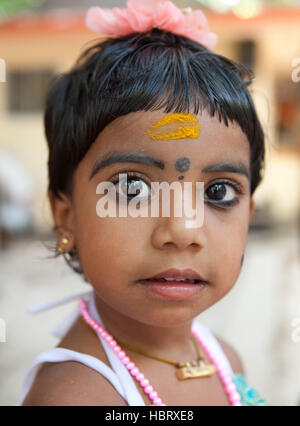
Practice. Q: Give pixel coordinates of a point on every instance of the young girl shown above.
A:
(151, 104)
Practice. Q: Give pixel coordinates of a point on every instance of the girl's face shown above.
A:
(117, 252)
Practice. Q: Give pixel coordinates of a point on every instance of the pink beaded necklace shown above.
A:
(229, 386)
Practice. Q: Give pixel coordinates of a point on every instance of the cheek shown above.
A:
(228, 243)
(108, 247)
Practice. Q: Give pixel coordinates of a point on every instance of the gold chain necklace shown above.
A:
(184, 370)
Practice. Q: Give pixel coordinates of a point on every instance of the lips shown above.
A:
(174, 284)
(176, 276)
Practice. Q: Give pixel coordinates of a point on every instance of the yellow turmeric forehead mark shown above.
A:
(175, 126)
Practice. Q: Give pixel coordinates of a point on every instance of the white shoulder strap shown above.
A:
(118, 375)
(62, 355)
(133, 396)
(62, 328)
(214, 344)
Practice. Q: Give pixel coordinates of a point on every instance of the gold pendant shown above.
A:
(195, 370)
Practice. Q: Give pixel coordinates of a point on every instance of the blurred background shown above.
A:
(261, 316)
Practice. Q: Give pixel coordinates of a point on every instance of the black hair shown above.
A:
(144, 72)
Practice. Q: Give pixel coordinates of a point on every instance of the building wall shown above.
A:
(277, 45)
(23, 135)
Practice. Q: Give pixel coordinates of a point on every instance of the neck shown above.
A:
(175, 341)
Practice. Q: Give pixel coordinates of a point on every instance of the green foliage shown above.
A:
(11, 7)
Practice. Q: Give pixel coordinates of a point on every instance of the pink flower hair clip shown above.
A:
(143, 15)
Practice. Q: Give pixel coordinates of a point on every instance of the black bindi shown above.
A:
(180, 177)
(182, 164)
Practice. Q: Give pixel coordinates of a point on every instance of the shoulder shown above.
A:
(71, 384)
(232, 356)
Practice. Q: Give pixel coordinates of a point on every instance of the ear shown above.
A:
(63, 216)
(251, 209)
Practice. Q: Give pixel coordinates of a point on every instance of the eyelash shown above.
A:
(226, 204)
(130, 175)
(221, 205)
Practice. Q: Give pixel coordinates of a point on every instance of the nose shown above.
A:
(176, 229)
(174, 232)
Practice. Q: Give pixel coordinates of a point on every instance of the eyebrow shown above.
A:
(228, 167)
(134, 157)
(125, 157)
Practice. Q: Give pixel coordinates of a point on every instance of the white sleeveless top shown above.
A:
(118, 374)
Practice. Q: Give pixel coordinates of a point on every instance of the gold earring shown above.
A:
(64, 241)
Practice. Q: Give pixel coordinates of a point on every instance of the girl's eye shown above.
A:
(220, 194)
(223, 194)
(131, 187)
